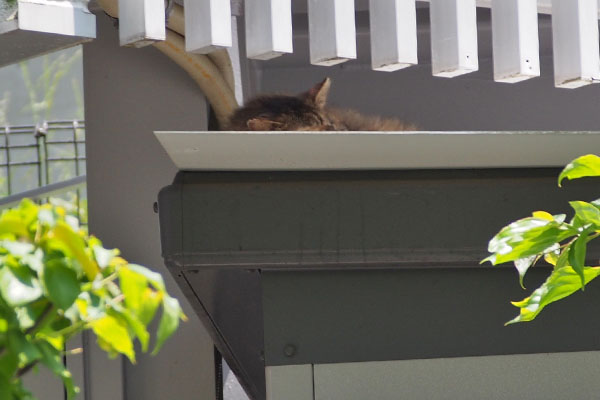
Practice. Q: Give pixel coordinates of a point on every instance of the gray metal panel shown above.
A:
(230, 306)
(344, 219)
(532, 376)
(290, 382)
(367, 315)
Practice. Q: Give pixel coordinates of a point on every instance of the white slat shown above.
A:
(332, 31)
(393, 34)
(268, 28)
(141, 22)
(207, 25)
(575, 42)
(453, 37)
(515, 40)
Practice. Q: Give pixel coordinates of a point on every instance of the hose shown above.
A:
(212, 73)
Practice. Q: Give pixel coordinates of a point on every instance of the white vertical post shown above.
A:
(575, 42)
(268, 28)
(332, 31)
(453, 37)
(141, 22)
(515, 40)
(207, 25)
(393, 34)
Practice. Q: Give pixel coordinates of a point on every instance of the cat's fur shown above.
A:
(306, 112)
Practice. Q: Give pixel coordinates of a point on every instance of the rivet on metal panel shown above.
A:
(289, 350)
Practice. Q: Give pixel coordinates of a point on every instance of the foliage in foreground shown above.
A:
(55, 281)
(562, 244)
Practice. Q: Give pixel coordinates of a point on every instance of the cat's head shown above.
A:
(305, 112)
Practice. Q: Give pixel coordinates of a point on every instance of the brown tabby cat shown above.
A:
(306, 112)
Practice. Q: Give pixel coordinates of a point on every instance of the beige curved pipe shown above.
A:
(212, 73)
(219, 57)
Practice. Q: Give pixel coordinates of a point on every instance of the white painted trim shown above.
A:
(515, 40)
(544, 6)
(59, 17)
(141, 22)
(268, 28)
(393, 34)
(453, 37)
(373, 150)
(332, 31)
(207, 25)
(575, 43)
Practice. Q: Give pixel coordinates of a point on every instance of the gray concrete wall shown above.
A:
(128, 94)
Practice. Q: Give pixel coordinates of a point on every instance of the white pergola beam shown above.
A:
(544, 6)
(141, 22)
(332, 31)
(575, 43)
(207, 25)
(268, 28)
(393, 34)
(58, 17)
(453, 37)
(515, 40)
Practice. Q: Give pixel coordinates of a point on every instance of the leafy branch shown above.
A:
(56, 281)
(562, 244)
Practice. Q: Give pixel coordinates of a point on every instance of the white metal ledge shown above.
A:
(43, 26)
(241, 151)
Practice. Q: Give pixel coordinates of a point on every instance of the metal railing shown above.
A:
(39, 161)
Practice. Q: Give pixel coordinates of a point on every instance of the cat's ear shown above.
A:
(318, 94)
(262, 124)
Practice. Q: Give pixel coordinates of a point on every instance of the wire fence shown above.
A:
(42, 160)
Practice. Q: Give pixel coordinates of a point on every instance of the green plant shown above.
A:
(55, 281)
(42, 90)
(562, 244)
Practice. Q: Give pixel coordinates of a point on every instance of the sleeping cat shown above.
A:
(306, 112)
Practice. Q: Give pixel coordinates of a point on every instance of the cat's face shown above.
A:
(305, 112)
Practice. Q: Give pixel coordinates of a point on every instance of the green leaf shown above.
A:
(522, 265)
(114, 334)
(155, 278)
(34, 261)
(149, 305)
(28, 211)
(76, 245)
(11, 224)
(136, 326)
(560, 284)
(47, 216)
(586, 212)
(5, 388)
(61, 283)
(27, 315)
(526, 237)
(169, 321)
(52, 358)
(104, 256)
(133, 286)
(18, 249)
(9, 363)
(577, 256)
(18, 286)
(584, 166)
(26, 351)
